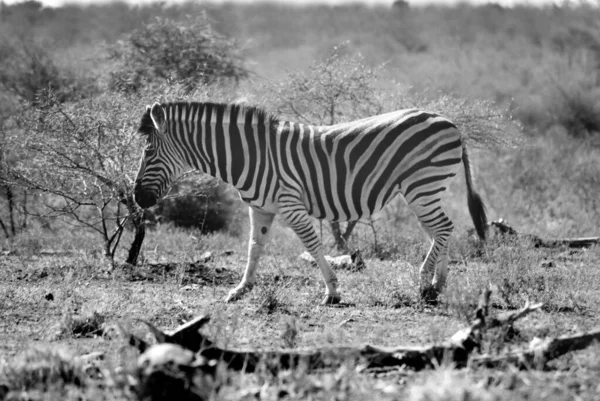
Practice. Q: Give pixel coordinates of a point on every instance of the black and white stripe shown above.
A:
(342, 172)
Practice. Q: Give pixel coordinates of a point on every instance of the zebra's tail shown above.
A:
(474, 200)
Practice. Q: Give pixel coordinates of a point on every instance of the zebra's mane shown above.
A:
(147, 125)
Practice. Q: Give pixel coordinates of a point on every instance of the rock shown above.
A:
(352, 262)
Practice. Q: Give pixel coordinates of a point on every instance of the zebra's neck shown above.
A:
(226, 141)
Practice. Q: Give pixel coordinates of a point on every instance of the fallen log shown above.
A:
(540, 351)
(505, 229)
(456, 349)
(184, 363)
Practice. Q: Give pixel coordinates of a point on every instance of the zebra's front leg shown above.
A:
(260, 229)
(295, 214)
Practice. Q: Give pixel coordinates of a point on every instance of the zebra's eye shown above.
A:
(150, 149)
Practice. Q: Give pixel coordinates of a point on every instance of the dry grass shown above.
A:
(283, 311)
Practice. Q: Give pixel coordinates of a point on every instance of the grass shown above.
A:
(283, 311)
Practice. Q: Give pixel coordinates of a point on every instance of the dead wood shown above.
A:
(456, 350)
(504, 228)
(186, 336)
(506, 319)
(540, 351)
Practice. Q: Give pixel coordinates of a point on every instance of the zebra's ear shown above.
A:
(158, 116)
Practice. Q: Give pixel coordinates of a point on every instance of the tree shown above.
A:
(174, 51)
(79, 160)
(27, 67)
(340, 88)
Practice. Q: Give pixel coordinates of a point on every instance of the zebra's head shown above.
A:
(159, 164)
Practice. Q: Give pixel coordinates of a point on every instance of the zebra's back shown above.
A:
(349, 171)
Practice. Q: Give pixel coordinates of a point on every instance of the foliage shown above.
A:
(79, 160)
(577, 109)
(340, 88)
(27, 67)
(166, 50)
(481, 122)
(196, 202)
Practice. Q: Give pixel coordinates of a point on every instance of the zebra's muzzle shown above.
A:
(144, 198)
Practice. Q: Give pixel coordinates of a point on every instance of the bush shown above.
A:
(77, 159)
(166, 50)
(200, 204)
(27, 67)
(578, 111)
(340, 88)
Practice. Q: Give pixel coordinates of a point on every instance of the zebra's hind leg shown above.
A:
(260, 229)
(434, 269)
(295, 214)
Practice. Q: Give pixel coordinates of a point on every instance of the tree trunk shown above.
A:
(4, 228)
(11, 208)
(140, 233)
(341, 239)
(25, 212)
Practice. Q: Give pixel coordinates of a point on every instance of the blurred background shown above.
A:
(521, 79)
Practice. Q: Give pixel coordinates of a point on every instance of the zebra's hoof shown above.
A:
(237, 293)
(430, 296)
(331, 299)
(231, 297)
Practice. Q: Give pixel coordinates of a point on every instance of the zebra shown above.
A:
(341, 172)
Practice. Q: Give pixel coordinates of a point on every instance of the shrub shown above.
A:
(77, 159)
(166, 50)
(578, 111)
(340, 88)
(201, 203)
(482, 123)
(27, 67)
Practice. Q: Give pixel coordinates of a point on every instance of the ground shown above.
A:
(42, 294)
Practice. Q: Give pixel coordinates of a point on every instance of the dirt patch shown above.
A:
(186, 273)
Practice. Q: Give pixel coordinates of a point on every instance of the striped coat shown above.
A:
(342, 172)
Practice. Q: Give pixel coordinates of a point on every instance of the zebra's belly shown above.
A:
(349, 209)
(266, 205)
